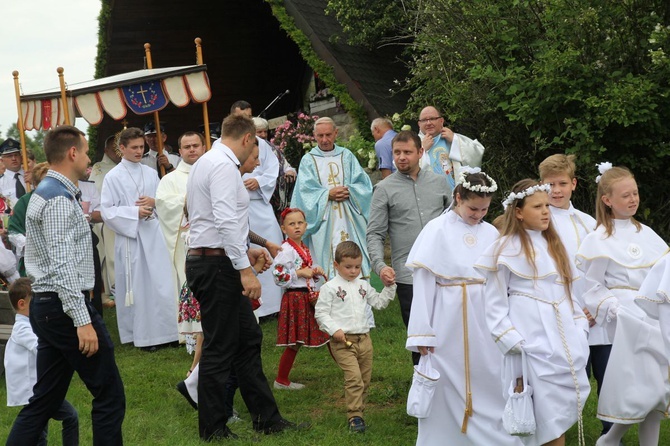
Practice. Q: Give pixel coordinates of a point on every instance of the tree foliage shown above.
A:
(533, 78)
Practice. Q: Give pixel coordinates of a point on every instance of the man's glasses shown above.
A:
(425, 120)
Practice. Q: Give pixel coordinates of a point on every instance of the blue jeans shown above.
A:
(58, 357)
(70, 418)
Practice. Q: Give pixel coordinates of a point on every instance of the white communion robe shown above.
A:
(444, 279)
(146, 305)
(614, 268)
(530, 305)
(104, 233)
(170, 201)
(262, 221)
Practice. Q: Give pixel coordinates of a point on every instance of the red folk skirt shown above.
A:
(296, 324)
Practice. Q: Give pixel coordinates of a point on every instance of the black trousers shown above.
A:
(405, 293)
(232, 336)
(58, 357)
(597, 363)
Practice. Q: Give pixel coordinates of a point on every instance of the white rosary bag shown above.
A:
(424, 380)
(518, 417)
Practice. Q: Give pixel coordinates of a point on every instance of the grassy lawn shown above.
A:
(158, 415)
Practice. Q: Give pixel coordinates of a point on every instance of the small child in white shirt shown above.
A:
(341, 312)
(21, 364)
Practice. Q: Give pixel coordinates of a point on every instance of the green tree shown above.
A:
(532, 78)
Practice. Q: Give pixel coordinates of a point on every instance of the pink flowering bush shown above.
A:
(295, 137)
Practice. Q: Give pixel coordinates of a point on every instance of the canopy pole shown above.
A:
(63, 96)
(157, 122)
(205, 112)
(19, 124)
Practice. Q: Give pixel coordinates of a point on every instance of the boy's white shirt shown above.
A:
(347, 312)
(21, 362)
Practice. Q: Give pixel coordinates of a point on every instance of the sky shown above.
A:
(37, 37)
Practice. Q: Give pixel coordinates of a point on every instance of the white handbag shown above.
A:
(519, 417)
(424, 380)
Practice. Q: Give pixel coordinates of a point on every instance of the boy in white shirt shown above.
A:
(341, 312)
(21, 364)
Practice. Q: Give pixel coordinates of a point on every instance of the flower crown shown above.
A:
(467, 170)
(525, 193)
(602, 168)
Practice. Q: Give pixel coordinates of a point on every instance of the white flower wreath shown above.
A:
(465, 171)
(602, 168)
(525, 193)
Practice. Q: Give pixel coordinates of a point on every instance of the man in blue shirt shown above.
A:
(383, 133)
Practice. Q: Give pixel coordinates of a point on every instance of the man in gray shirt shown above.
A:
(402, 204)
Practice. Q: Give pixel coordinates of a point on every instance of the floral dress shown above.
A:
(296, 323)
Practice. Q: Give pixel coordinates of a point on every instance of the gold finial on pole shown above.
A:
(157, 122)
(63, 96)
(19, 125)
(205, 112)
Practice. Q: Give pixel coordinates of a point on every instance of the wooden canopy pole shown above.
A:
(19, 124)
(157, 122)
(205, 112)
(63, 96)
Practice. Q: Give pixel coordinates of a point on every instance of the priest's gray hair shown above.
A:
(260, 123)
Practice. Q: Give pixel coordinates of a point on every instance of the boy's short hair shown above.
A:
(347, 249)
(19, 289)
(558, 164)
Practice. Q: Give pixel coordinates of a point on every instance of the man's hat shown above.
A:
(10, 146)
(150, 128)
(214, 130)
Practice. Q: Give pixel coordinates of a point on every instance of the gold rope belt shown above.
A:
(466, 349)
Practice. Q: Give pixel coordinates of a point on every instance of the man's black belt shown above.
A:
(206, 252)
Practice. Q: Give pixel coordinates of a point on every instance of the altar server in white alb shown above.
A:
(529, 306)
(146, 301)
(448, 318)
(615, 260)
(171, 202)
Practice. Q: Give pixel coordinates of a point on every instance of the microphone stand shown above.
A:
(279, 96)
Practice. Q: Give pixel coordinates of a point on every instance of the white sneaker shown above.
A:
(292, 386)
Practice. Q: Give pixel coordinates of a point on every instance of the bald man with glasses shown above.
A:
(445, 151)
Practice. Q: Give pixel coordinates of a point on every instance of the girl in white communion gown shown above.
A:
(448, 319)
(530, 307)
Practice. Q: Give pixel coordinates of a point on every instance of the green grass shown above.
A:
(157, 414)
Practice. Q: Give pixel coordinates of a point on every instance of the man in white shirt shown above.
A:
(168, 160)
(218, 270)
(13, 181)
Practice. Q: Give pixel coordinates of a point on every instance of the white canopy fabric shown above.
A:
(92, 99)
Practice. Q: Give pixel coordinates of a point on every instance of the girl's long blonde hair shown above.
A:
(511, 226)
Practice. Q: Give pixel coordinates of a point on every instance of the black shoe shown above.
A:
(223, 434)
(356, 424)
(283, 425)
(181, 388)
(150, 349)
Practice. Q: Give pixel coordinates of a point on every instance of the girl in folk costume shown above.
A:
(293, 270)
(615, 259)
(448, 319)
(529, 306)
